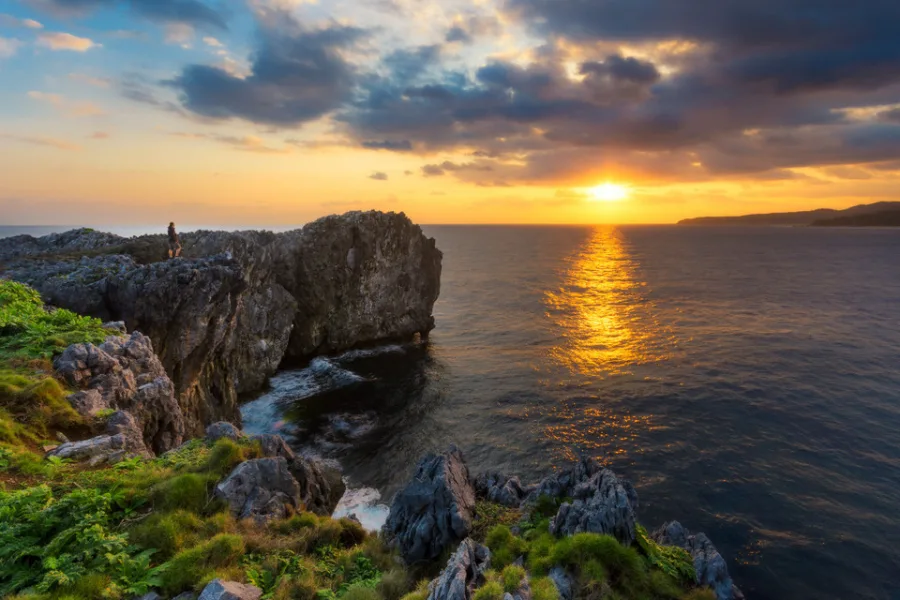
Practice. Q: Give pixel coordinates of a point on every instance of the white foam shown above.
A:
(365, 504)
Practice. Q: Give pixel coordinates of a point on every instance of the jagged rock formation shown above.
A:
(435, 510)
(230, 590)
(563, 582)
(223, 318)
(261, 489)
(711, 568)
(124, 374)
(464, 573)
(501, 489)
(103, 449)
(601, 504)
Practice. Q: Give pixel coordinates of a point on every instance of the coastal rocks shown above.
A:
(602, 504)
(564, 583)
(70, 242)
(562, 484)
(435, 510)
(464, 573)
(358, 278)
(104, 449)
(710, 566)
(321, 488)
(124, 374)
(222, 429)
(501, 489)
(230, 590)
(260, 489)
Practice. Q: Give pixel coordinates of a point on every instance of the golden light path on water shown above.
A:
(607, 329)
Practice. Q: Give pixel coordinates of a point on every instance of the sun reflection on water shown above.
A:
(606, 329)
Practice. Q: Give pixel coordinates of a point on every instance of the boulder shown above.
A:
(321, 488)
(261, 489)
(564, 583)
(125, 374)
(709, 565)
(501, 489)
(222, 429)
(104, 449)
(464, 573)
(602, 504)
(435, 510)
(230, 590)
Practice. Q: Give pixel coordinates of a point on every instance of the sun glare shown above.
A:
(609, 192)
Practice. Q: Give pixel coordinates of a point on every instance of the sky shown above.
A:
(276, 112)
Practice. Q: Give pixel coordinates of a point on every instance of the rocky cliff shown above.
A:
(225, 316)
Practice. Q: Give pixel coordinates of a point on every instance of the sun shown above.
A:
(610, 192)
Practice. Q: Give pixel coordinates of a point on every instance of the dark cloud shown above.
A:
(379, 176)
(618, 68)
(448, 166)
(297, 75)
(191, 12)
(395, 145)
(466, 29)
(892, 115)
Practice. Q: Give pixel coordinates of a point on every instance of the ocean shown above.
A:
(747, 380)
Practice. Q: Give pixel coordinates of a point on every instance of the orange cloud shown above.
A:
(41, 141)
(65, 41)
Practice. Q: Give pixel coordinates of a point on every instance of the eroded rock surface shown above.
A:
(230, 590)
(601, 504)
(125, 375)
(262, 489)
(464, 573)
(435, 510)
(501, 489)
(710, 566)
(104, 449)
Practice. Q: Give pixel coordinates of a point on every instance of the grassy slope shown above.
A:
(68, 533)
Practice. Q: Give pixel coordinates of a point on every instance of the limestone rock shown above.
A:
(104, 449)
(602, 504)
(501, 489)
(464, 573)
(710, 566)
(321, 488)
(260, 489)
(230, 590)
(222, 429)
(70, 242)
(562, 484)
(125, 374)
(150, 596)
(563, 582)
(435, 510)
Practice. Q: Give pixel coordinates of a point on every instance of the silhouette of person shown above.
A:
(174, 242)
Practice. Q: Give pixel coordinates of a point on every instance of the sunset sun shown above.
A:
(609, 192)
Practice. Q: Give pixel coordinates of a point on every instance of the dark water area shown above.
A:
(746, 379)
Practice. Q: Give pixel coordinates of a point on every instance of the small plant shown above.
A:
(513, 576)
(489, 591)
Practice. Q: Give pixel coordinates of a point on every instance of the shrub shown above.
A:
(188, 492)
(224, 456)
(543, 588)
(394, 584)
(420, 593)
(700, 594)
(512, 576)
(490, 514)
(195, 566)
(167, 533)
(505, 547)
(360, 592)
(671, 560)
(663, 586)
(489, 591)
(32, 404)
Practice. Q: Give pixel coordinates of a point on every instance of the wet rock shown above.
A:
(230, 590)
(464, 573)
(260, 489)
(222, 429)
(710, 566)
(602, 504)
(321, 487)
(124, 374)
(435, 510)
(563, 582)
(501, 489)
(104, 449)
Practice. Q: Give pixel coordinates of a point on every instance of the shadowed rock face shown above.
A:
(709, 565)
(223, 318)
(464, 573)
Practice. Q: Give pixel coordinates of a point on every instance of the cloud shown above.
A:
(467, 28)
(179, 33)
(379, 176)
(65, 41)
(102, 82)
(11, 21)
(394, 145)
(54, 99)
(8, 47)
(100, 135)
(190, 12)
(297, 75)
(212, 42)
(41, 141)
(247, 143)
(72, 109)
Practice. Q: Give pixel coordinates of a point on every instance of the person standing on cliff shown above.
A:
(174, 242)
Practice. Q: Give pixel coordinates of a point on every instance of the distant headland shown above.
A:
(879, 214)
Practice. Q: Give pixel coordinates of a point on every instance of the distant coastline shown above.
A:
(880, 214)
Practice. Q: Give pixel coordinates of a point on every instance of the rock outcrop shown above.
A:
(709, 565)
(104, 449)
(230, 590)
(435, 510)
(501, 489)
(261, 489)
(223, 318)
(123, 374)
(601, 504)
(464, 573)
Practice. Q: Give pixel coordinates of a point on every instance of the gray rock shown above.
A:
(185, 596)
(602, 504)
(710, 566)
(501, 489)
(61, 438)
(563, 582)
(104, 449)
(125, 374)
(321, 487)
(260, 489)
(222, 429)
(116, 327)
(562, 484)
(70, 242)
(230, 590)
(463, 574)
(435, 510)
(149, 596)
